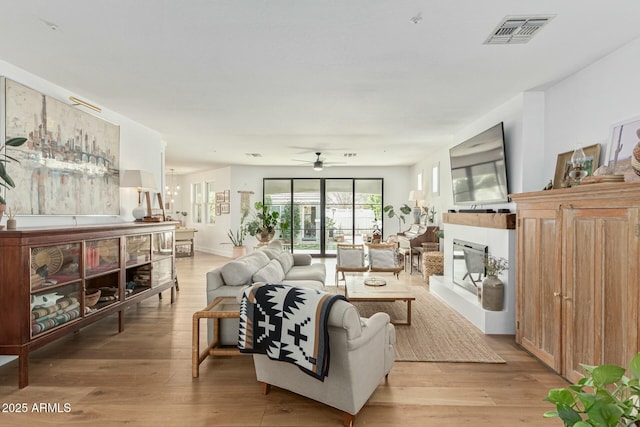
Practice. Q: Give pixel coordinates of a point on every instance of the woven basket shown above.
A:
(91, 297)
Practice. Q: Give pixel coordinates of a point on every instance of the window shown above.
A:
(197, 202)
(210, 204)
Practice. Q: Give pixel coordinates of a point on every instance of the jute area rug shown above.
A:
(437, 332)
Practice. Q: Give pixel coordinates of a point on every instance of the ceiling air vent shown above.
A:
(517, 29)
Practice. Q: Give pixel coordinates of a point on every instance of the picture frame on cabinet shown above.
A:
(623, 154)
(563, 165)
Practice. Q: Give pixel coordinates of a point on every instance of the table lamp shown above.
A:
(416, 196)
(140, 180)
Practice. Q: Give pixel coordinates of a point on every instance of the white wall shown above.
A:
(213, 238)
(582, 108)
(140, 148)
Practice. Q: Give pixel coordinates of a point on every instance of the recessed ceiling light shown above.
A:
(350, 154)
(253, 154)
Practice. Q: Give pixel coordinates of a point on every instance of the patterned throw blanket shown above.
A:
(289, 324)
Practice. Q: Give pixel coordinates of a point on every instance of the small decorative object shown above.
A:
(376, 233)
(549, 186)
(91, 297)
(564, 165)
(183, 216)
(375, 281)
(578, 162)
(11, 219)
(604, 397)
(492, 286)
(44, 300)
(624, 149)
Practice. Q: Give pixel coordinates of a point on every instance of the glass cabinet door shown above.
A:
(102, 256)
(54, 265)
(138, 249)
(162, 244)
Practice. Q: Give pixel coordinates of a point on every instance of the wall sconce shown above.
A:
(77, 101)
(140, 180)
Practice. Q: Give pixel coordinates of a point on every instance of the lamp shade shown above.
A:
(415, 195)
(138, 179)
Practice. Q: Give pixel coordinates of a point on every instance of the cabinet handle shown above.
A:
(567, 299)
(556, 294)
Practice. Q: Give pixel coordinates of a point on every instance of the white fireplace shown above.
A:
(493, 232)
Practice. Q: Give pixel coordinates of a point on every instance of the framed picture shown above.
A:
(563, 165)
(219, 197)
(218, 209)
(224, 208)
(625, 137)
(227, 196)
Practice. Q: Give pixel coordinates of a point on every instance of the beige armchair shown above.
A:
(362, 355)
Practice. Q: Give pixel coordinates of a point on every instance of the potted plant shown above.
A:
(264, 224)
(237, 237)
(5, 179)
(183, 215)
(605, 397)
(404, 210)
(492, 286)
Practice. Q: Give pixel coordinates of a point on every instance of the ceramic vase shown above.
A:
(11, 224)
(492, 293)
(239, 251)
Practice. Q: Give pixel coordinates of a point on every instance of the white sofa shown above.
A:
(270, 264)
(362, 354)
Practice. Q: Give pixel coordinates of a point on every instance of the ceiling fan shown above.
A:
(318, 163)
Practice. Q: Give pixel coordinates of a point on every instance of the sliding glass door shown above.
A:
(320, 213)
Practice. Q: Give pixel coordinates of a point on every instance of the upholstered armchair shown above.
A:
(350, 258)
(383, 257)
(362, 355)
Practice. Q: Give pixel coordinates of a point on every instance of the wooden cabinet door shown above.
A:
(600, 294)
(539, 283)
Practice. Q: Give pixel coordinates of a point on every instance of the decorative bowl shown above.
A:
(91, 297)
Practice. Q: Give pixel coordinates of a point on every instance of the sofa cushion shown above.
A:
(350, 257)
(270, 273)
(315, 272)
(270, 252)
(241, 270)
(286, 261)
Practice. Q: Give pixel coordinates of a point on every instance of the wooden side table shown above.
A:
(433, 263)
(220, 308)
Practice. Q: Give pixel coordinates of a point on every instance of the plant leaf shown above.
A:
(607, 374)
(634, 366)
(569, 415)
(560, 396)
(15, 142)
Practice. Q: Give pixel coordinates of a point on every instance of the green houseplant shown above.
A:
(5, 179)
(391, 213)
(263, 225)
(605, 397)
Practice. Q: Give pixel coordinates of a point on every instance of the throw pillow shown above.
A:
(351, 257)
(239, 272)
(383, 258)
(270, 273)
(286, 261)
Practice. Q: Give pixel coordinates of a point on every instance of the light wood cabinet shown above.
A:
(56, 281)
(577, 261)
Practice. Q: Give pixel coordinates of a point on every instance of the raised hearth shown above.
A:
(497, 232)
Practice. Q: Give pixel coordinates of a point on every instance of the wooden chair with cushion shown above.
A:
(350, 258)
(383, 257)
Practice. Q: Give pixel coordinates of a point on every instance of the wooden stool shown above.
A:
(432, 263)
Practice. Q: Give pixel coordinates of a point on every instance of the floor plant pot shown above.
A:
(239, 251)
(492, 293)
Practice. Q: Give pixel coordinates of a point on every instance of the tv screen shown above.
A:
(479, 169)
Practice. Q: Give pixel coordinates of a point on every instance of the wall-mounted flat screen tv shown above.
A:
(479, 169)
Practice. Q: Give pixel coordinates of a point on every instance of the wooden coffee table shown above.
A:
(394, 290)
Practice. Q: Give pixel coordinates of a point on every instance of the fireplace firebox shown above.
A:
(468, 264)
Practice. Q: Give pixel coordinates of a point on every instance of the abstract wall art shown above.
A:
(70, 162)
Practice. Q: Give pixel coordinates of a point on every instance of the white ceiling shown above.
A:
(287, 78)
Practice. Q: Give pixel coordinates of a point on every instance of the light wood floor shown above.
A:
(142, 377)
